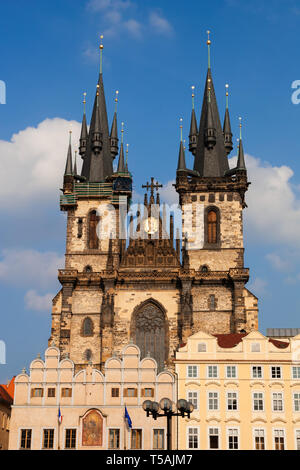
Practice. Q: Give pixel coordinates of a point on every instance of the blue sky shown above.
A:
(154, 51)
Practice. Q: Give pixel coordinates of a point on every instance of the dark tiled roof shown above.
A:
(232, 340)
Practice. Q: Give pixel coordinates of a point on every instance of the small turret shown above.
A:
(241, 165)
(181, 167)
(194, 128)
(114, 140)
(84, 132)
(121, 164)
(227, 127)
(68, 175)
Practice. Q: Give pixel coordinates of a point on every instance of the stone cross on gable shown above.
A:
(152, 186)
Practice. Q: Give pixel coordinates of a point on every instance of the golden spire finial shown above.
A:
(122, 133)
(84, 101)
(181, 126)
(193, 96)
(116, 100)
(227, 94)
(101, 52)
(208, 46)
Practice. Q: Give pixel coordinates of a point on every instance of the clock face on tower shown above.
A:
(151, 225)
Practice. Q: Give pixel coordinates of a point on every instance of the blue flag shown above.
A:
(127, 417)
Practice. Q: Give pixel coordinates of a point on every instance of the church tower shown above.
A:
(128, 277)
(212, 198)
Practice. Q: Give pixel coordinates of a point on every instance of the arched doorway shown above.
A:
(149, 332)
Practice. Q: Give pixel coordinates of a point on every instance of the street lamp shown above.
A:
(184, 408)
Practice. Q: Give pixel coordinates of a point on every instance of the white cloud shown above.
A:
(159, 24)
(100, 5)
(258, 286)
(278, 262)
(39, 303)
(27, 268)
(33, 162)
(133, 27)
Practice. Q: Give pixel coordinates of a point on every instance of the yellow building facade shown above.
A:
(245, 390)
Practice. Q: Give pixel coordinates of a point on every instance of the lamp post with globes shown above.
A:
(184, 408)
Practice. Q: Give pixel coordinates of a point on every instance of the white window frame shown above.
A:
(237, 400)
(276, 378)
(265, 437)
(236, 372)
(202, 345)
(165, 438)
(272, 397)
(187, 371)
(218, 398)
(207, 371)
(255, 344)
(296, 432)
(262, 372)
(284, 437)
(187, 437)
(208, 435)
(292, 372)
(227, 436)
(54, 439)
(197, 398)
(263, 400)
(294, 393)
(64, 437)
(20, 437)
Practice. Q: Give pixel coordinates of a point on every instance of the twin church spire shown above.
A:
(98, 146)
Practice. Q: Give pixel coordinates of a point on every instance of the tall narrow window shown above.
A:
(212, 227)
(136, 439)
(88, 327)
(93, 241)
(25, 439)
(259, 435)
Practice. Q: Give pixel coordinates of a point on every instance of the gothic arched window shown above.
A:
(212, 227)
(93, 240)
(150, 333)
(87, 327)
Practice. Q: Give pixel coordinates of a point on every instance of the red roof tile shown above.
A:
(4, 396)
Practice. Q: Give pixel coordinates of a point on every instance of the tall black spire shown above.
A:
(69, 166)
(121, 164)
(227, 127)
(193, 127)
(97, 166)
(84, 132)
(211, 156)
(241, 165)
(181, 158)
(114, 140)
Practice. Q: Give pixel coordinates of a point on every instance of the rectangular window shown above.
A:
(296, 372)
(192, 372)
(297, 440)
(25, 439)
(136, 439)
(192, 397)
(277, 401)
(257, 372)
(276, 372)
(296, 400)
(259, 436)
(233, 439)
(231, 372)
(158, 439)
(114, 439)
(213, 438)
(115, 392)
(258, 401)
(48, 439)
(66, 392)
(37, 392)
(193, 438)
(213, 401)
(212, 372)
(130, 392)
(148, 392)
(255, 347)
(202, 347)
(279, 439)
(51, 392)
(232, 401)
(70, 442)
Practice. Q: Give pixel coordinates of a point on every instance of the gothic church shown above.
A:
(155, 290)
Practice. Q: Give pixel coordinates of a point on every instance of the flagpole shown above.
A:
(58, 430)
(125, 430)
